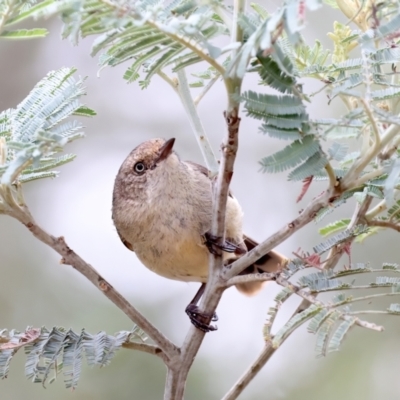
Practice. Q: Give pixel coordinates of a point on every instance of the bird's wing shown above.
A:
(203, 170)
(271, 262)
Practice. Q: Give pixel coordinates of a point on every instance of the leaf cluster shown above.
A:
(52, 352)
(34, 132)
(332, 319)
(13, 12)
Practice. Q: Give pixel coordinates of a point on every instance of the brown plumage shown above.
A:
(162, 211)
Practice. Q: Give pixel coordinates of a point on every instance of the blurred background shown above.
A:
(36, 290)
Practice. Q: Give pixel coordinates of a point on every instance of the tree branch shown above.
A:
(359, 165)
(379, 208)
(214, 289)
(145, 348)
(384, 224)
(69, 257)
(337, 251)
(333, 181)
(277, 238)
(251, 372)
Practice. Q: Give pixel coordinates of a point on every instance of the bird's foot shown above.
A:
(215, 248)
(199, 319)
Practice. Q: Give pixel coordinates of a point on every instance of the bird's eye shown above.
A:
(139, 168)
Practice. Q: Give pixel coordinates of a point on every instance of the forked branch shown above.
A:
(69, 257)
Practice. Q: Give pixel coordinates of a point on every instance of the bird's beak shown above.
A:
(165, 150)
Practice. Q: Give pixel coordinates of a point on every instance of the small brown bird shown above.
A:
(162, 210)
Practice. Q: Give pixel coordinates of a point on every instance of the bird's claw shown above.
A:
(199, 318)
(214, 247)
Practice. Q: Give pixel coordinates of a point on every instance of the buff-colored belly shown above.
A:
(186, 260)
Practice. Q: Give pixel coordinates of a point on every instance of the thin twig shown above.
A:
(379, 208)
(306, 295)
(258, 277)
(358, 216)
(250, 373)
(280, 236)
(384, 224)
(145, 348)
(171, 81)
(368, 176)
(206, 89)
(368, 297)
(196, 124)
(359, 287)
(371, 312)
(387, 153)
(333, 181)
(359, 165)
(372, 120)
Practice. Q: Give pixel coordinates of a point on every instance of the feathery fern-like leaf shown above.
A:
(31, 141)
(313, 165)
(291, 155)
(293, 323)
(324, 332)
(337, 151)
(61, 350)
(334, 227)
(272, 75)
(339, 334)
(263, 105)
(340, 238)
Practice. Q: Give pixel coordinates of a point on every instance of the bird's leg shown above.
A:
(199, 319)
(214, 247)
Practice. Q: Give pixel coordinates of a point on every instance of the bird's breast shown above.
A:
(180, 257)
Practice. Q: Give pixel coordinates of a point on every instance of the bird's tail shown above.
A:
(271, 262)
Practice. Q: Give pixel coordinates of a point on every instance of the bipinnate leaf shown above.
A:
(60, 350)
(38, 128)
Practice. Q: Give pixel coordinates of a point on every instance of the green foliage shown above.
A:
(16, 11)
(56, 351)
(331, 319)
(291, 155)
(322, 281)
(273, 75)
(162, 37)
(153, 35)
(313, 165)
(338, 151)
(293, 323)
(30, 144)
(262, 106)
(24, 34)
(334, 227)
(324, 331)
(335, 204)
(340, 238)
